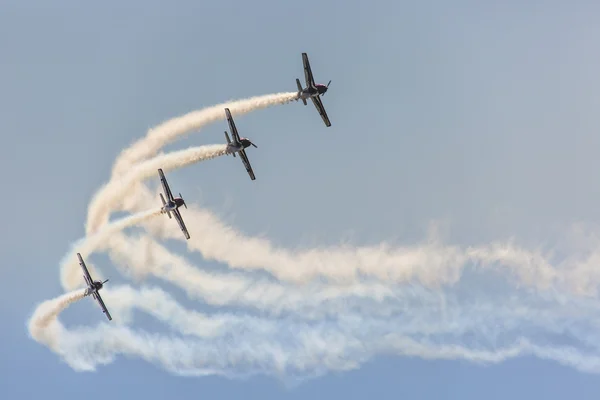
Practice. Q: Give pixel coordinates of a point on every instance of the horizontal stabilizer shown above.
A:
(300, 90)
(229, 142)
(164, 205)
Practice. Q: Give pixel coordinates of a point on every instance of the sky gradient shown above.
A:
(469, 125)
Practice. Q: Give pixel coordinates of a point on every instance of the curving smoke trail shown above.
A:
(168, 131)
(426, 324)
(430, 263)
(142, 257)
(43, 324)
(70, 269)
(111, 194)
(162, 135)
(320, 309)
(451, 319)
(325, 326)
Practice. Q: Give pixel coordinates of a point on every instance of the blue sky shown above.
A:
(477, 117)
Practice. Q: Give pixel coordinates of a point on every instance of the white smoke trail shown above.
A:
(430, 263)
(140, 257)
(70, 269)
(238, 345)
(457, 321)
(413, 300)
(110, 195)
(548, 322)
(43, 325)
(434, 328)
(148, 146)
(168, 131)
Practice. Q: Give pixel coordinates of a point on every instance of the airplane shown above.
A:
(172, 206)
(93, 287)
(238, 145)
(313, 90)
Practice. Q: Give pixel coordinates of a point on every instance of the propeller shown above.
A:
(327, 87)
(254, 145)
(105, 281)
(185, 205)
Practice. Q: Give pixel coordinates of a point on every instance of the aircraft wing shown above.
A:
(103, 306)
(234, 133)
(86, 274)
(310, 81)
(181, 223)
(246, 162)
(319, 104)
(165, 185)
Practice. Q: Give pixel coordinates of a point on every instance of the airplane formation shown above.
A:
(238, 145)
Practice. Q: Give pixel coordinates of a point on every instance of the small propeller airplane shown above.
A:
(313, 90)
(93, 287)
(238, 145)
(172, 206)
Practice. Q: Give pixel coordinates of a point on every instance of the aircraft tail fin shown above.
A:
(228, 142)
(164, 204)
(300, 90)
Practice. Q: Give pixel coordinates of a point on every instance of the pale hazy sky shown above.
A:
(477, 118)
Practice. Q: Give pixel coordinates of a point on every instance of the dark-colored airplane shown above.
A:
(172, 206)
(239, 144)
(93, 287)
(313, 90)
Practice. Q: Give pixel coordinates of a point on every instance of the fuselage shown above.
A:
(318, 90)
(172, 205)
(235, 147)
(96, 285)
